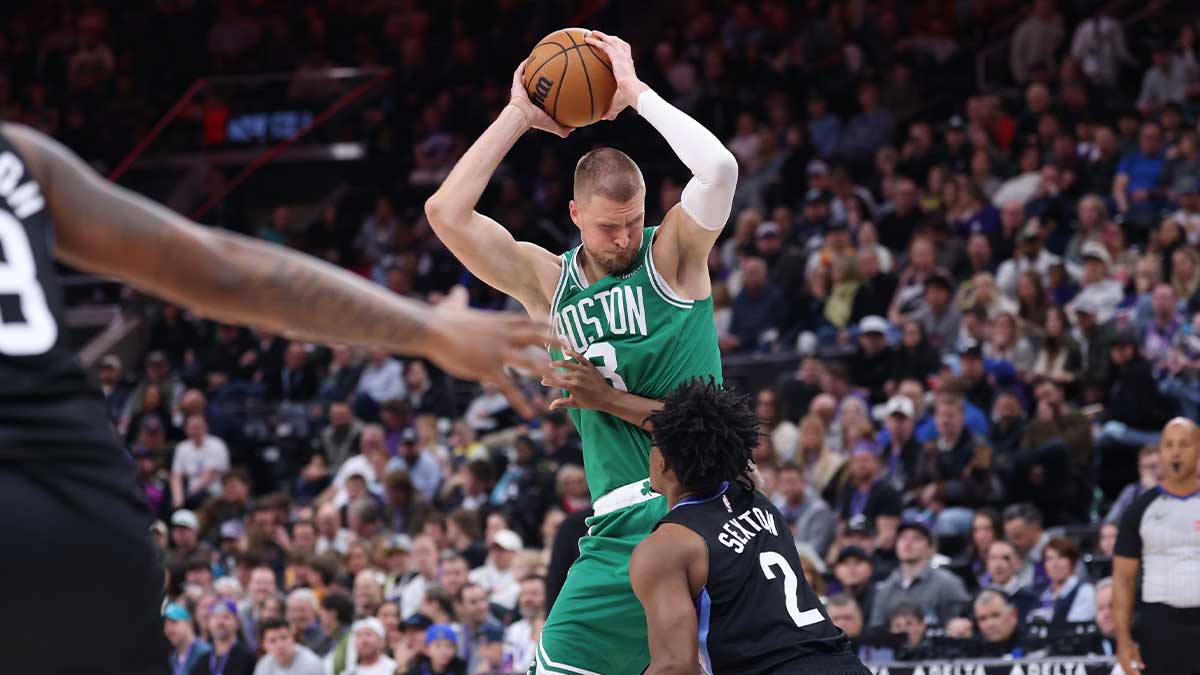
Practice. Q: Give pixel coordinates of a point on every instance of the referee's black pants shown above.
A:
(81, 583)
(1169, 639)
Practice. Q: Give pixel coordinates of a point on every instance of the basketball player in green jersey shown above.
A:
(633, 301)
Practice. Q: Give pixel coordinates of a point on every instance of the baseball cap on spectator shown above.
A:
(490, 633)
(916, 526)
(508, 540)
(859, 525)
(400, 543)
(956, 122)
(232, 529)
(767, 229)
(184, 518)
(1032, 229)
(111, 361)
(816, 167)
(417, 622)
(1096, 251)
(969, 347)
(408, 436)
(176, 612)
(159, 528)
(372, 624)
(849, 552)
(816, 196)
(837, 226)
(873, 324)
(438, 631)
(898, 405)
(1086, 306)
(223, 605)
(156, 357)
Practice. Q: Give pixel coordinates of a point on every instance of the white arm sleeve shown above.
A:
(708, 197)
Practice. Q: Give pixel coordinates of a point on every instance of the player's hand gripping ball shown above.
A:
(570, 79)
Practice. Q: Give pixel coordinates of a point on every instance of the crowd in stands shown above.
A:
(992, 298)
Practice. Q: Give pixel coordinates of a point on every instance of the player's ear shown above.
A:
(573, 207)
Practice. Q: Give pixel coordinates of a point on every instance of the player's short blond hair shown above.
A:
(608, 172)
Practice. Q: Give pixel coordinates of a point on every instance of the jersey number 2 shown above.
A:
(791, 585)
(35, 332)
(608, 363)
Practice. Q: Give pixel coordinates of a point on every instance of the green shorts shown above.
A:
(597, 626)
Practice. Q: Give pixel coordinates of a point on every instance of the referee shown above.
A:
(1160, 532)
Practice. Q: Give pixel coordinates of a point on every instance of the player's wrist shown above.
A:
(524, 115)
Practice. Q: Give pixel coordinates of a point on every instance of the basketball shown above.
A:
(569, 79)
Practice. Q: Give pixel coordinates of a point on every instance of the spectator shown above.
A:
(115, 391)
(875, 287)
(497, 576)
(475, 617)
(369, 636)
(854, 575)
(824, 127)
(872, 364)
(186, 649)
(1023, 528)
(957, 466)
(1036, 40)
(867, 494)
(340, 437)
(1003, 563)
(845, 613)
(229, 656)
(908, 620)
(916, 581)
(261, 590)
(1058, 357)
(341, 379)
(1104, 618)
(283, 655)
(867, 131)
(807, 515)
(1149, 474)
(1030, 255)
(426, 395)
(199, 463)
(1000, 629)
(521, 638)
(1158, 334)
(375, 237)
(1134, 407)
(424, 564)
(899, 222)
(782, 432)
(1066, 599)
(914, 358)
(300, 614)
(1099, 46)
(938, 316)
(381, 380)
(819, 463)
(1160, 85)
(758, 310)
(1136, 185)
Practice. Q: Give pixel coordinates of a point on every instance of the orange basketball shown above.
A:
(572, 81)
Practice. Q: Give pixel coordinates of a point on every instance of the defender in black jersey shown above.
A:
(83, 583)
(719, 577)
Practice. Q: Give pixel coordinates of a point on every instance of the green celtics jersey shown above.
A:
(645, 339)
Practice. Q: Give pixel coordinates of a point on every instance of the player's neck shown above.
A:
(676, 495)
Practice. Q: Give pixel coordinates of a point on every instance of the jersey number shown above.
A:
(35, 331)
(791, 585)
(608, 363)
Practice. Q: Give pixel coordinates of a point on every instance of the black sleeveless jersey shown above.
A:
(48, 407)
(756, 613)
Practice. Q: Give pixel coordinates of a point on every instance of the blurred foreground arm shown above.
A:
(103, 228)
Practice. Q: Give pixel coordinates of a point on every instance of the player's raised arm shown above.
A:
(106, 229)
(692, 227)
(487, 249)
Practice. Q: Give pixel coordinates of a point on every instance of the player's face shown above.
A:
(1178, 450)
(611, 230)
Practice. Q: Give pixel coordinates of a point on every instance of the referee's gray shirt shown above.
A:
(1163, 530)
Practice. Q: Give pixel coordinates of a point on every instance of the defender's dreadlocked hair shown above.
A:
(706, 433)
